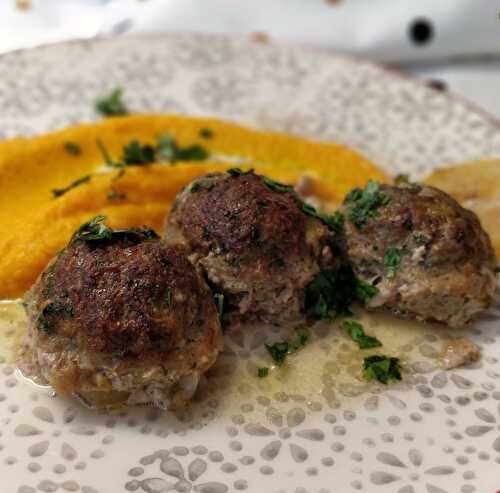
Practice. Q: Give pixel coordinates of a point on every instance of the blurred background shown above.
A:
(452, 44)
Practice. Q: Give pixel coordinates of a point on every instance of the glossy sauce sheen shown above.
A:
(326, 370)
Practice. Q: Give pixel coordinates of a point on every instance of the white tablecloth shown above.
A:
(456, 42)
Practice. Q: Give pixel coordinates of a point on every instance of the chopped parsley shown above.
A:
(137, 154)
(219, 301)
(166, 150)
(355, 330)
(280, 350)
(401, 179)
(335, 222)
(276, 185)
(365, 291)
(112, 105)
(57, 192)
(263, 372)
(364, 203)
(392, 261)
(198, 185)
(95, 230)
(239, 172)
(104, 152)
(408, 223)
(331, 293)
(114, 194)
(381, 368)
(206, 133)
(420, 239)
(72, 148)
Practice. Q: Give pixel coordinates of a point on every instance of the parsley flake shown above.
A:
(335, 222)
(276, 185)
(206, 133)
(137, 154)
(357, 333)
(57, 192)
(364, 203)
(112, 105)
(93, 230)
(381, 368)
(392, 261)
(280, 350)
(72, 148)
(239, 172)
(420, 239)
(219, 301)
(114, 194)
(365, 291)
(331, 293)
(263, 372)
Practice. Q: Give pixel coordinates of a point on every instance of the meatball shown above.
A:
(428, 257)
(121, 318)
(255, 240)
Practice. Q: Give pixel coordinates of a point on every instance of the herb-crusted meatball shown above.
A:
(428, 257)
(119, 317)
(255, 240)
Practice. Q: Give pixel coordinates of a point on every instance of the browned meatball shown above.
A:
(429, 257)
(119, 317)
(253, 240)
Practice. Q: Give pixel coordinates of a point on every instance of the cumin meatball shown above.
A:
(428, 257)
(253, 240)
(120, 318)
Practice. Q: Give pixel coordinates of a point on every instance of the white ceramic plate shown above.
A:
(315, 431)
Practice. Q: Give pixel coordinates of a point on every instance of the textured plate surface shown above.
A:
(436, 432)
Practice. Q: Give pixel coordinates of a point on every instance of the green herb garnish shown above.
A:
(93, 230)
(72, 148)
(381, 368)
(137, 154)
(206, 133)
(365, 291)
(355, 330)
(202, 185)
(392, 261)
(401, 179)
(420, 239)
(219, 301)
(263, 372)
(276, 185)
(239, 172)
(57, 192)
(169, 150)
(364, 203)
(114, 194)
(104, 152)
(112, 105)
(331, 293)
(335, 222)
(280, 350)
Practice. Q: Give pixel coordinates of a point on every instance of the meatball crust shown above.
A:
(428, 256)
(253, 241)
(126, 318)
